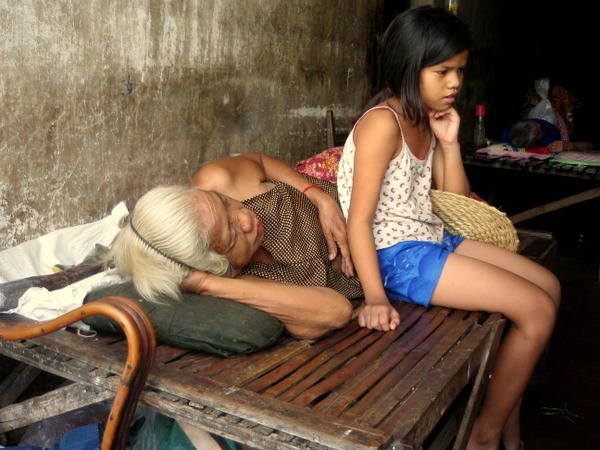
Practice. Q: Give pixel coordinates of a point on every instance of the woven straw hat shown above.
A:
(474, 219)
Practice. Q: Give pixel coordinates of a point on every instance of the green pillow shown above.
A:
(198, 322)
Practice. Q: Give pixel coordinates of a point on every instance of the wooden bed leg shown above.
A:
(141, 346)
(16, 383)
(480, 385)
(51, 404)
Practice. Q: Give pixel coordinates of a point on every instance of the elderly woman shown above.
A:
(249, 229)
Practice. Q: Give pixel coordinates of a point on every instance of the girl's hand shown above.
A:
(379, 316)
(334, 229)
(445, 124)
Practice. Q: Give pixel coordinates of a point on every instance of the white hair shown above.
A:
(163, 242)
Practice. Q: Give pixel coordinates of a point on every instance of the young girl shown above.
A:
(392, 156)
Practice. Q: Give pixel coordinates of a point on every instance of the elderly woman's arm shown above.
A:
(242, 177)
(320, 310)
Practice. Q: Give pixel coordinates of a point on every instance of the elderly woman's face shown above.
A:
(234, 230)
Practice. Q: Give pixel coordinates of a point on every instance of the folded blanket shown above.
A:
(506, 150)
(40, 304)
(578, 158)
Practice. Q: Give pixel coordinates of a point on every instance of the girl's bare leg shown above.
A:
(473, 284)
(524, 267)
(515, 263)
(511, 434)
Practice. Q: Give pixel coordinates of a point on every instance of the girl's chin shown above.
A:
(439, 108)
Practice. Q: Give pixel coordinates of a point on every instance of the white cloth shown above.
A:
(40, 304)
(67, 246)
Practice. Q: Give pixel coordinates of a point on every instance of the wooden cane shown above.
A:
(141, 342)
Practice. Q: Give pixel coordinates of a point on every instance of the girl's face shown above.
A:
(441, 83)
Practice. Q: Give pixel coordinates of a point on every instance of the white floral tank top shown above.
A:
(403, 211)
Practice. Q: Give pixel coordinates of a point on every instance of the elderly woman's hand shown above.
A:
(195, 282)
(334, 228)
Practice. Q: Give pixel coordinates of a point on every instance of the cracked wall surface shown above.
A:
(103, 99)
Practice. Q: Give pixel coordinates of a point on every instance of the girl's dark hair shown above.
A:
(417, 38)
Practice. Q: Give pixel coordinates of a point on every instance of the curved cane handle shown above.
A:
(141, 342)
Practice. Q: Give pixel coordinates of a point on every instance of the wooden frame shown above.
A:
(139, 347)
(355, 389)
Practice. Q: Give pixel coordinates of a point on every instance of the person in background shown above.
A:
(527, 133)
(534, 131)
(563, 104)
(531, 133)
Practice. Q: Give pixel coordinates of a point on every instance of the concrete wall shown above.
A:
(102, 99)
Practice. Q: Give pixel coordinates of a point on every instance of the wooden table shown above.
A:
(505, 170)
(532, 166)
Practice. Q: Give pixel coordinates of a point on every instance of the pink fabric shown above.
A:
(323, 165)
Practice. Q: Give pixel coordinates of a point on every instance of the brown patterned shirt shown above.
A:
(294, 238)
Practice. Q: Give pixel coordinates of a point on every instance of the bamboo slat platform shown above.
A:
(354, 389)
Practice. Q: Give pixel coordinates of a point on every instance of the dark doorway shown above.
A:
(540, 38)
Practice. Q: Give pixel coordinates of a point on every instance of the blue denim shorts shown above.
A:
(410, 270)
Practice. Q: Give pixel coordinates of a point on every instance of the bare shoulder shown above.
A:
(380, 120)
(236, 176)
(213, 177)
(379, 128)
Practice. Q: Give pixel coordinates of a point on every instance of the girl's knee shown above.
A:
(554, 289)
(538, 321)
(550, 283)
(546, 280)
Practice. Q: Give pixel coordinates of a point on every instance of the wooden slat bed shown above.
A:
(353, 389)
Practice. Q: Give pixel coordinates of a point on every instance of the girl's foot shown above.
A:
(481, 439)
